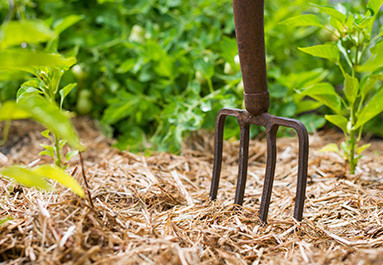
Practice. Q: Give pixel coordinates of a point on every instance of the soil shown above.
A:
(155, 209)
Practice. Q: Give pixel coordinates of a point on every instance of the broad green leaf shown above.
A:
(65, 91)
(303, 21)
(25, 60)
(372, 64)
(375, 5)
(47, 153)
(307, 105)
(324, 93)
(25, 176)
(360, 149)
(330, 148)
(373, 108)
(327, 51)
(12, 111)
(50, 116)
(332, 12)
(62, 24)
(28, 31)
(56, 173)
(369, 84)
(351, 86)
(338, 120)
(26, 91)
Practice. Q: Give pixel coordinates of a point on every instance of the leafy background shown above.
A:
(152, 71)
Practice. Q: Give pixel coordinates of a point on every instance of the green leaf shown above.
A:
(332, 12)
(330, 148)
(338, 120)
(71, 154)
(351, 86)
(49, 115)
(375, 5)
(307, 105)
(62, 24)
(26, 60)
(360, 149)
(303, 21)
(25, 176)
(28, 31)
(12, 111)
(46, 134)
(65, 91)
(369, 84)
(327, 51)
(324, 93)
(47, 153)
(56, 173)
(372, 64)
(373, 108)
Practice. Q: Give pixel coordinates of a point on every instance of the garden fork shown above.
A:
(249, 29)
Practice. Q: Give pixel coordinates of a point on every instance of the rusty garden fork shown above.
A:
(249, 28)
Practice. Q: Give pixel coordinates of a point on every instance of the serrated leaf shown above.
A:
(56, 173)
(351, 86)
(28, 31)
(303, 21)
(330, 148)
(373, 108)
(65, 91)
(25, 176)
(66, 22)
(360, 149)
(12, 111)
(326, 51)
(49, 115)
(338, 120)
(26, 60)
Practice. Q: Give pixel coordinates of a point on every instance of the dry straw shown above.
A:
(155, 209)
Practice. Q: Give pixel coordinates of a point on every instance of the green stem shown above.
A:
(57, 149)
(210, 83)
(6, 128)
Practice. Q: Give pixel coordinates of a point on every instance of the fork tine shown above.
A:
(270, 172)
(218, 146)
(302, 170)
(243, 161)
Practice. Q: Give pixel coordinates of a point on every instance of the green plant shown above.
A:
(36, 98)
(356, 47)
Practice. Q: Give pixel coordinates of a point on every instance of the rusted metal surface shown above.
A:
(248, 17)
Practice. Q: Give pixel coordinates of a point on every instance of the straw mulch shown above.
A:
(155, 209)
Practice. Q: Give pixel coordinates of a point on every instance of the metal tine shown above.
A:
(218, 146)
(270, 172)
(243, 162)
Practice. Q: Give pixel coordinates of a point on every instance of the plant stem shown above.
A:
(6, 128)
(57, 149)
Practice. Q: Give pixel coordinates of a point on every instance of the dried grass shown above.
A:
(155, 209)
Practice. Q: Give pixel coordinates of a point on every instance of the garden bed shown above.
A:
(155, 209)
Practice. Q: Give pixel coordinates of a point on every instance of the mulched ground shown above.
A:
(155, 209)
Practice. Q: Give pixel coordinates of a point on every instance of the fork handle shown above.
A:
(249, 30)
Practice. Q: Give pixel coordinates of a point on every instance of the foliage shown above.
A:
(357, 49)
(152, 71)
(36, 98)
